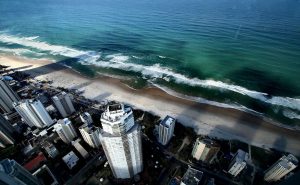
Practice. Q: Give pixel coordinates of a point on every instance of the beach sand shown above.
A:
(225, 123)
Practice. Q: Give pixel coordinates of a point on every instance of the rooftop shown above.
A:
(242, 155)
(35, 162)
(70, 159)
(192, 176)
(167, 121)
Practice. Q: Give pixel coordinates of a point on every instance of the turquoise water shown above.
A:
(243, 54)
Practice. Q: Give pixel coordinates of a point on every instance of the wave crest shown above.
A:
(119, 61)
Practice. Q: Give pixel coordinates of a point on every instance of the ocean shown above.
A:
(230, 53)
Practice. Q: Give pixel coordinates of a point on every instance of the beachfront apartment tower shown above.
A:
(7, 96)
(238, 162)
(63, 103)
(205, 150)
(281, 168)
(6, 132)
(33, 113)
(166, 130)
(86, 118)
(90, 134)
(12, 173)
(65, 130)
(121, 141)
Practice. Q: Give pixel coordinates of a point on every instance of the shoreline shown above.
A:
(206, 119)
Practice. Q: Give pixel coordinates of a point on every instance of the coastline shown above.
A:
(223, 123)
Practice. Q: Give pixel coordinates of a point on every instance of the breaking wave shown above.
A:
(32, 42)
(119, 61)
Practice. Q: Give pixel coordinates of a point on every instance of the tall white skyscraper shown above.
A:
(166, 130)
(65, 130)
(7, 96)
(6, 132)
(11, 173)
(121, 141)
(238, 162)
(33, 113)
(86, 118)
(63, 103)
(205, 150)
(90, 135)
(281, 168)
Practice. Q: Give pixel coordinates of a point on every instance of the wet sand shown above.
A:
(226, 123)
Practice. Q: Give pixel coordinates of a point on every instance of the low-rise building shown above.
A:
(70, 159)
(45, 176)
(191, 177)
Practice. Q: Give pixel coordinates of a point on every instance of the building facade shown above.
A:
(238, 163)
(12, 173)
(191, 177)
(166, 130)
(7, 96)
(33, 113)
(63, 103)
(121, 141)
(90, 135)
(6, 132)
(65, 130)
(86, 118)
(281, 168)
(205, 150)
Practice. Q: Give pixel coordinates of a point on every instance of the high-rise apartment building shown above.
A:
(33, 113)
(205, 150)
(6, 132)
(65, 130)
(63, 103)
(281, 168)
(90, 135)
(166, 130)
(7, 96)
(12, 173)
(86, 118)
(238, 162)
(121, 141)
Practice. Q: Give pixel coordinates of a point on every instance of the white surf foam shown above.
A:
(205, 101)
(156, 71)
(120, 61)
(16, 51)
(52, 49)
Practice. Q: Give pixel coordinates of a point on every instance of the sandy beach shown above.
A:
(209, 120)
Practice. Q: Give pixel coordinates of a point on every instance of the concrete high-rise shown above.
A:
(12, 173)
(166, 130)
(33, 113)
(65, 130)
(238, 163)
(205, 150)
(63, 103)
(121, 141)
(281, 168)
(7, 96)
(90, 135)
(86, 118)
(6, 132)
